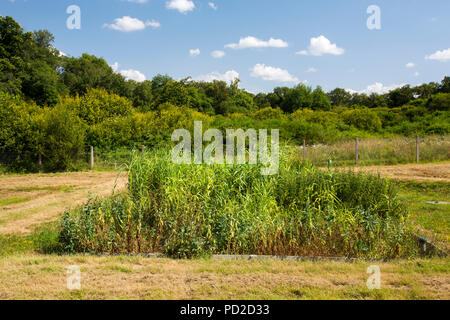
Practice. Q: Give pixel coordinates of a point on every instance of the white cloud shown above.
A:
(133, 75)
(129, 74)
(194, 52)
(212, 5)
(115, 66)
(320, 46)
(218, 54)
(252, 42)
(128, 24)
(442, 56)
(272, 74)
(228, 76)
(182, 6)
(311, 70)
(377, 87)
(410, 65)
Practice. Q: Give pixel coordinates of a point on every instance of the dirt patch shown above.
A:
(49, 195)
(439, 172)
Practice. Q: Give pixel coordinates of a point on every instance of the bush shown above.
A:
(363, 119)
(97, 105)
(62, 139)
(18, 133)
(268, 113)
(439, 102)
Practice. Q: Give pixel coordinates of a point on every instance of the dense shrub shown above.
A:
(439, 102)
(97, 105)
(362, 118)
(188, 210)
(18, 133)
(268, 113)
(62, 139)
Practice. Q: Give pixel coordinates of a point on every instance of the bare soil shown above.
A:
(433, 172)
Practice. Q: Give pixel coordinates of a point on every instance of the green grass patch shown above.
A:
(45, 239)
(14, 200)
(60, 188)
(432, 217)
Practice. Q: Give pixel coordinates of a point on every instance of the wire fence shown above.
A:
(363, 152)
(366, 152)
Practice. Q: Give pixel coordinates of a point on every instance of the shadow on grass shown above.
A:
(44, 240)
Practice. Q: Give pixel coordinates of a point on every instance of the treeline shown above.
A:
(54, 105)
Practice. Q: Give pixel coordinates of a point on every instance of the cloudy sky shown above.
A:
(266, 43)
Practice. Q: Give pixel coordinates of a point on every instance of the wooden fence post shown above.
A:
(304, 150)
(357, 151)
(92, 158)
(418, 149)
(40, 160)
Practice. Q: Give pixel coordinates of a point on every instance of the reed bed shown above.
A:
(188, 211)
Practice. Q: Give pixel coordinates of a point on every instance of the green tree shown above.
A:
(320, 100)
(86, 72)
(143, 96)
(41, 83)
(445, 85)
(340, 97)
(399, 97)
(299, 97)
(173, 92)
(439, 102)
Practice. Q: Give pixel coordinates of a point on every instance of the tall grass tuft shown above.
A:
(194, 210)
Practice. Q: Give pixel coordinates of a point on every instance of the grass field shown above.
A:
(44, 277)
(27, 230)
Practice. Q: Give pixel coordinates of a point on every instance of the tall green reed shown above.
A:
(193, 210)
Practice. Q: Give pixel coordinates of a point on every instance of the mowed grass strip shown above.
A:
(431, 218)
(124, 277)
(13, 200)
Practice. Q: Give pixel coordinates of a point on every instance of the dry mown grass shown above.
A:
(48, 195)
(44, 277)
(433, 172)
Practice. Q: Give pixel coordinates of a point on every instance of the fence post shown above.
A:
(143, 149)
(357, 151)
(418, 149)
(304, 150)
(92, 158)
(40, 160)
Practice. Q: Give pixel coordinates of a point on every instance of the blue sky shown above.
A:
(319, 42)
